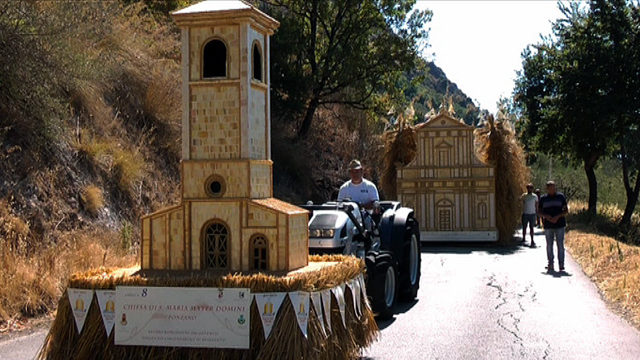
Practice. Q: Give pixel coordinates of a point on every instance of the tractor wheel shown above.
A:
(384, 285)
(411, 261)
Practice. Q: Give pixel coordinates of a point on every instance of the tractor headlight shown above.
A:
(321, 233)
(327, 233)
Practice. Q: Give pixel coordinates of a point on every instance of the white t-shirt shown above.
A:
(529, 203)
(361, 193)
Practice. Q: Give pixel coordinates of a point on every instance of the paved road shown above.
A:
(480, 302)
(22, 347)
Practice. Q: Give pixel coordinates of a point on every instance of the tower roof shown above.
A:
(206, 11)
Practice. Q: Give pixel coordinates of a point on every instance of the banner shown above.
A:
(326, 305)
(363, 288)
(354, 285)
(184, 317)
(107, 305)
(80, 300)
(338, 291)
(300, 302)
(317, 306)
(268, 306)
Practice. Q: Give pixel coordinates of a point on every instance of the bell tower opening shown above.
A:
(257, 62)
(214, 59)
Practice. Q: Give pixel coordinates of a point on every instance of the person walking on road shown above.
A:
(553, 208)
(538, 218)
(529, 212)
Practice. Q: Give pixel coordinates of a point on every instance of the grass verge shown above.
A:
(612, 265)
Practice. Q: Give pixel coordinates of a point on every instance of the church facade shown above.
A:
(228, 219)
(452, 192)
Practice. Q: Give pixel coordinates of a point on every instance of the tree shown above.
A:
(581, 91)
(564, 91)
(621, 25)
(339, 52)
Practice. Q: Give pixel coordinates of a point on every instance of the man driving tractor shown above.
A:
(358, 189)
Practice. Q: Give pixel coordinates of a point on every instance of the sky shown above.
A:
(478, 43)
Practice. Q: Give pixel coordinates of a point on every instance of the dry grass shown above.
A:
(496, 144)
(400, 149)
(92, 199)
(63, 341)
(612, 265)
(33, 281)
(606, 221)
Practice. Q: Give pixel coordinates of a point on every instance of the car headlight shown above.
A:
(315, 233)
(327, 233)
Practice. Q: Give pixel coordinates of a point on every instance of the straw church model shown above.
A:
(452, 192)
(227, 219)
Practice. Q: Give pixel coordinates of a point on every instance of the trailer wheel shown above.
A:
(411, 262)
(384, 285)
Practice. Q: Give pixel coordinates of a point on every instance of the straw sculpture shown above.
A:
(496, 144)
(400, 149)
(286, 341)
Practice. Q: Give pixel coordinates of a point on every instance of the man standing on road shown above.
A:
(553, 208)
(529, 212)
(358, 189)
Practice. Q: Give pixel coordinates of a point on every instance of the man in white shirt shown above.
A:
(529, 212)
(358, 189)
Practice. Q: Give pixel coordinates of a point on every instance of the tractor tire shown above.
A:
(383, 285)
(411, 262)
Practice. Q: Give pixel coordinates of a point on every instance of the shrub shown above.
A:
(128, 168)
(92, 200)
(126, 235)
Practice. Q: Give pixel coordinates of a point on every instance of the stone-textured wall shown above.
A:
(261, 179)
(257, 123)
(215, 122)
(298, 241)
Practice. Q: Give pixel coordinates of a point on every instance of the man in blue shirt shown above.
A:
(358, 189)
(553, 208)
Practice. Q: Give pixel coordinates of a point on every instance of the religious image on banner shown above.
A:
(300, 303)
(316, 299)
(354, 285)
(338, 291)
(107, 304)
(80, 301)
(268, 306)
(326, 306)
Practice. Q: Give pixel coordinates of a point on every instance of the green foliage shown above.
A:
(571, 181)
(329, 52)
(579, 91)
(126, 235)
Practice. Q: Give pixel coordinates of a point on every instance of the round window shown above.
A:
(215, 186)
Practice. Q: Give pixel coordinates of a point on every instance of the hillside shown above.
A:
(90, 139)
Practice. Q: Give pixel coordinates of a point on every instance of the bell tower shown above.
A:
(225, 110)
(228, 219)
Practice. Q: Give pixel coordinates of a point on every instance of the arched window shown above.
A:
(257, 62)
(214, 59)
(258, 250)
(215, 244)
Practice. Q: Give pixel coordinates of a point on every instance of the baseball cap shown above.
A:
(355, 165)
